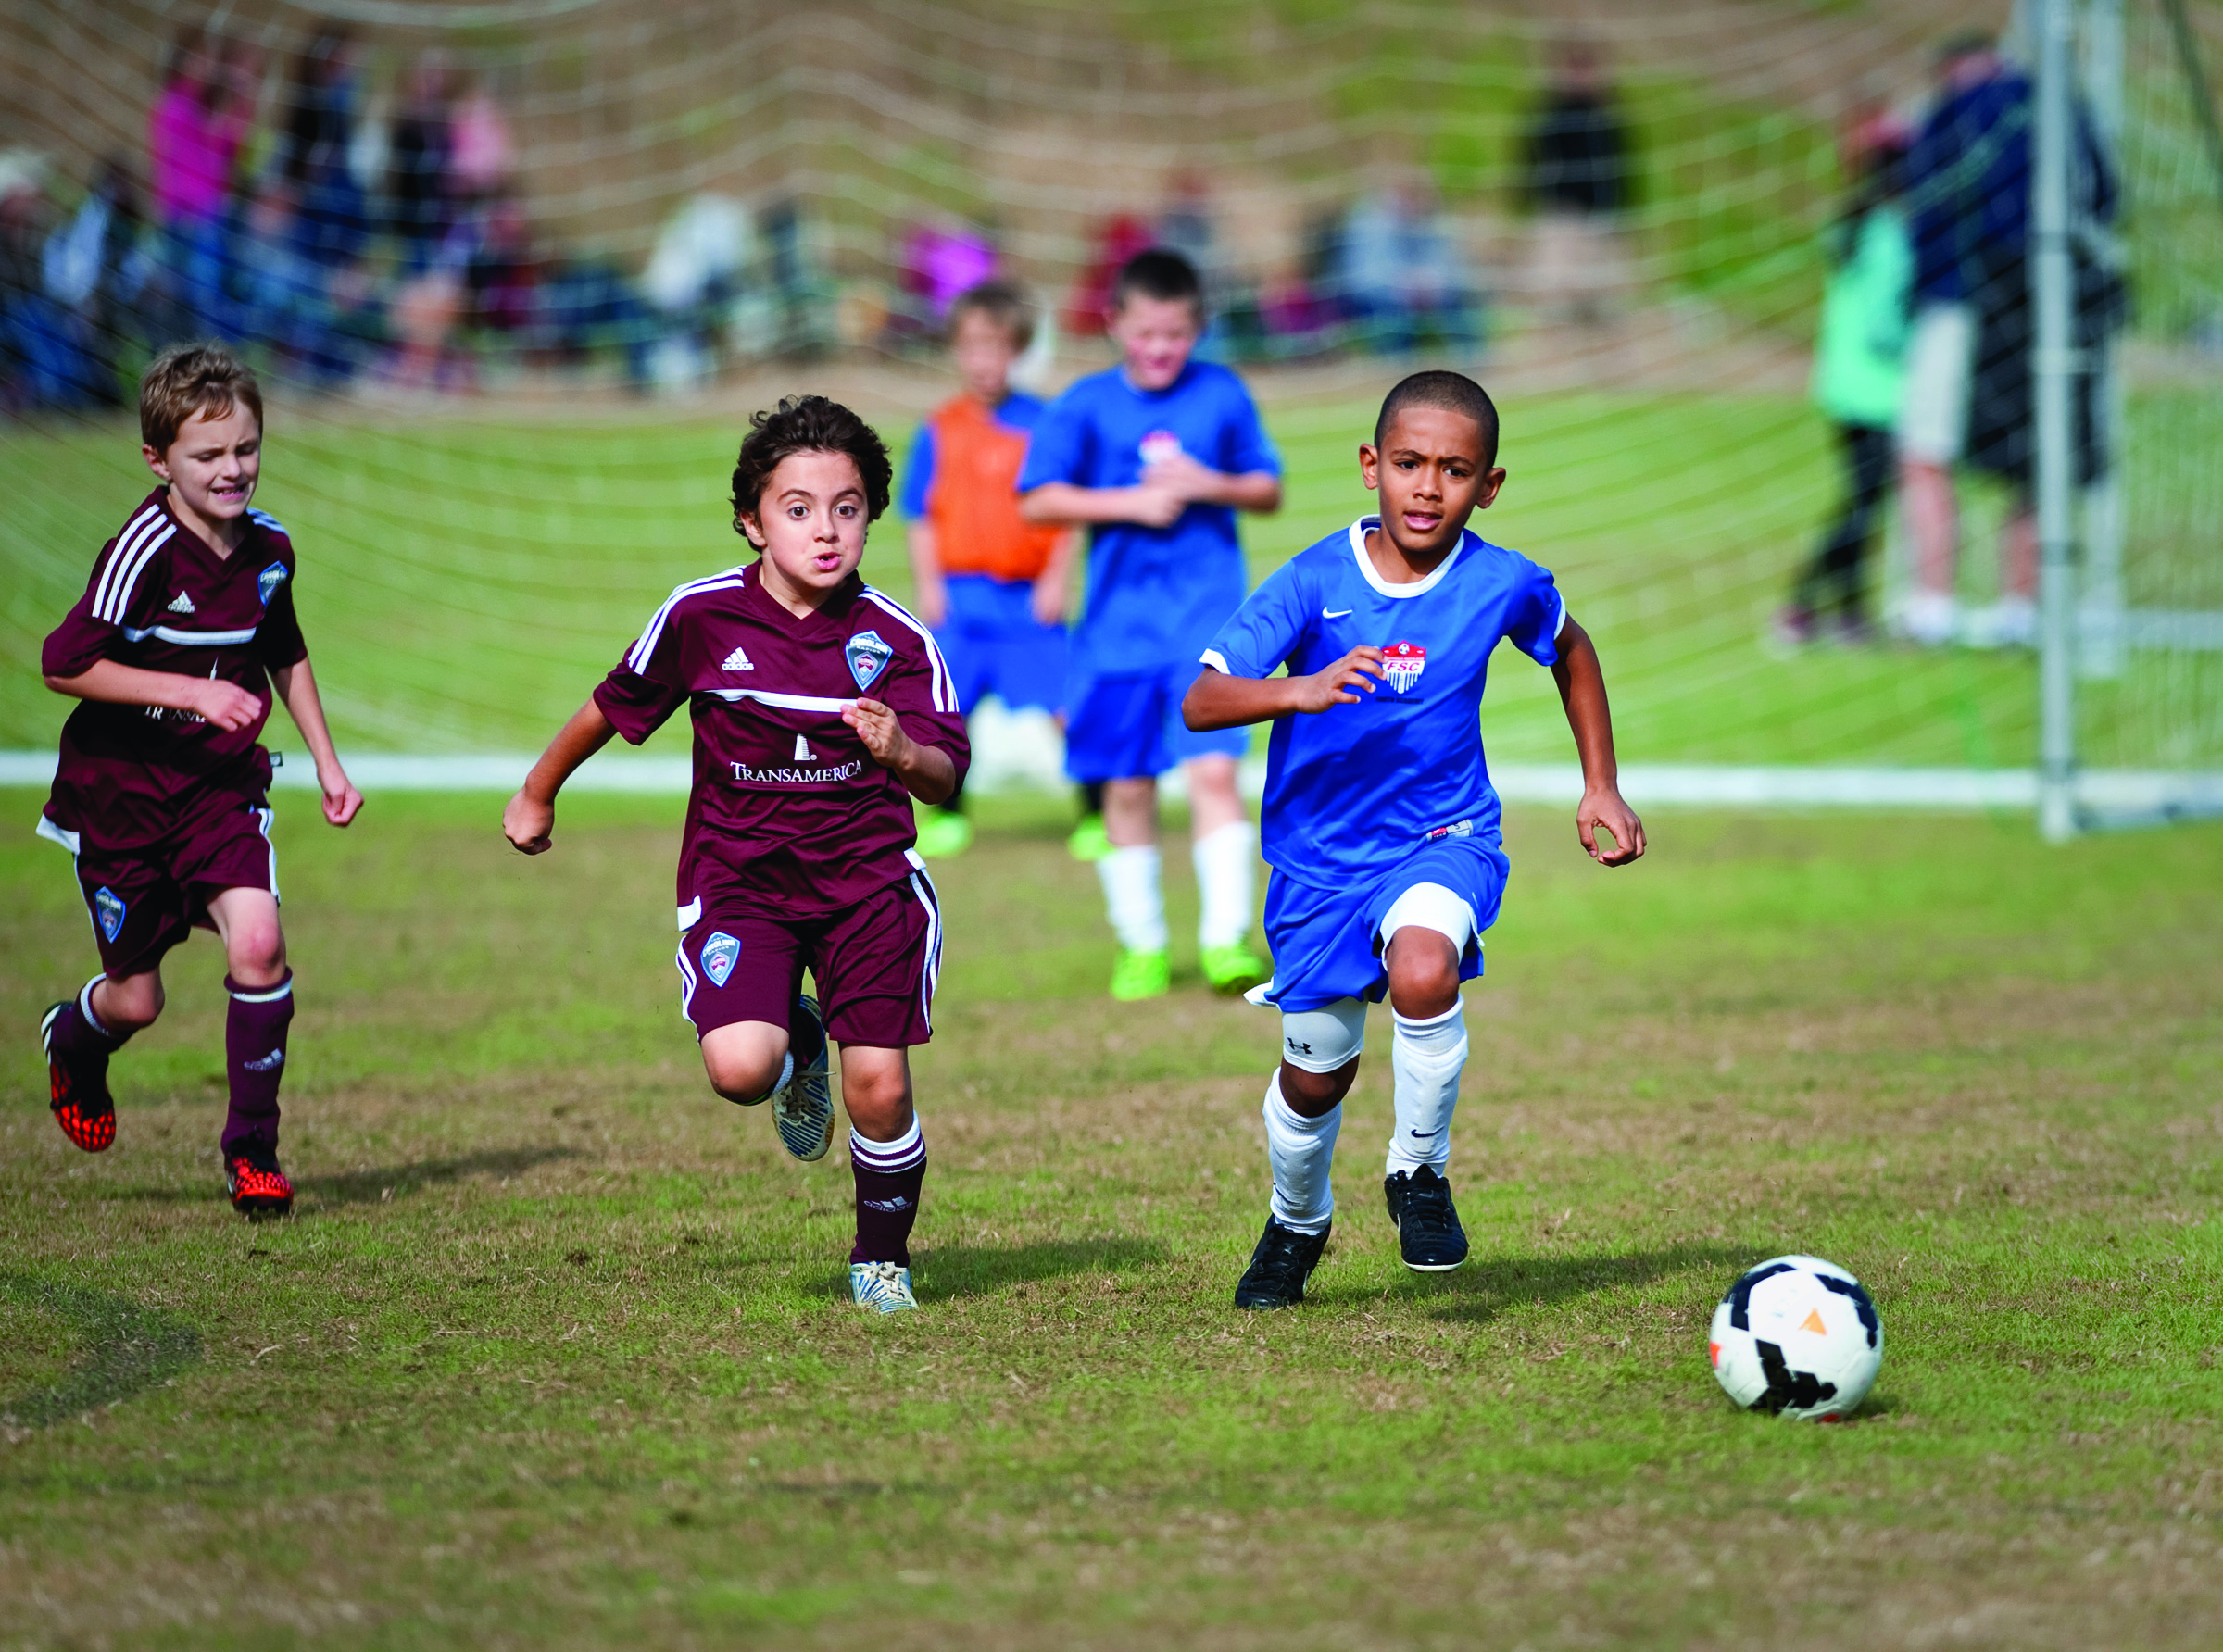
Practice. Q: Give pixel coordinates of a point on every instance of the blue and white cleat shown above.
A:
(802, 1109)
(885, 1287)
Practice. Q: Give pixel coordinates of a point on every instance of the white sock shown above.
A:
(1301, 1151)
(1132, 898)
(1226, 884)
(1424, 1061)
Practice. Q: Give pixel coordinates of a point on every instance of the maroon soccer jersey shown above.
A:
(789, 813)
(160, 598)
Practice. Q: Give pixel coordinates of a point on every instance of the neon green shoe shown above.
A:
(1141, 975)
(1233, 969)
(1088, 842)
(944, 834)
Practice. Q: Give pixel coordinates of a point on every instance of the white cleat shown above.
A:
(885, 1287)
(802, 1110)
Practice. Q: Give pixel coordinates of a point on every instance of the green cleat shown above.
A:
(1088, 842)
(1141, 975)
(944, 834)
(1233, 970)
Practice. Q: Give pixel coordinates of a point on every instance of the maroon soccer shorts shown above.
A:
(146, 901)
(875, 963)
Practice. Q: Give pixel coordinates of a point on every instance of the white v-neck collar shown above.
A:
(1373, 575)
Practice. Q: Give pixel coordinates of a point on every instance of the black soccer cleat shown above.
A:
(257, 1187)
(1283, 1261)
(1428, 1236)
(82, 1104)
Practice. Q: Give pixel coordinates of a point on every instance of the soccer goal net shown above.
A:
(516, 270)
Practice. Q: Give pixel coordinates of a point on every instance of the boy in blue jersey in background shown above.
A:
(1381, 825)
(1156, 456)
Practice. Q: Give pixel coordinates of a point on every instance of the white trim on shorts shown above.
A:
(930, 973)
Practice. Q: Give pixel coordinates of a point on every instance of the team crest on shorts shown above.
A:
(1402, 664)
(268, 582)
(107, 911)
(720, 953)
(868, 655)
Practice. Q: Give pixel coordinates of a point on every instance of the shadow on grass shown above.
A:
(953, 1270)
(1488, 1285)
(132, 1348)
(374, 1186)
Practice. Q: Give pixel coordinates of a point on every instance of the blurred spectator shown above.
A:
(1121, 238)
(332, 217)
(1968, 389)
(419, 188)
(1857, 372)
(1186, 225)
(21, 347)
(311, 318)
(693, 276)
(193, 134)
(1579, 179)
(1402, 279)
(96, 273)
(940, 264)
(482, 156)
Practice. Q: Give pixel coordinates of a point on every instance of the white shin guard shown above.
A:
(1226, 862)
(1132, 898)
(1424, 1061)
(1301, 1151)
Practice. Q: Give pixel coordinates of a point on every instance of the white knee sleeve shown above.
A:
(1431, 907)
(1302, 1152)
(1321, 1040)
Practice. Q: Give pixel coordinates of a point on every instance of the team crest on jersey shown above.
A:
(1402, 664)
(720, 953)
(868, 655)
(1158, 446)
(107, 911)
(268, 582)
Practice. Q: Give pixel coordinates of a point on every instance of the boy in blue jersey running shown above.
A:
(1381, 825)
(1156, 456)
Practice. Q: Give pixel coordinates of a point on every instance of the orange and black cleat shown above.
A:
(82, 1104)
(259, 1186)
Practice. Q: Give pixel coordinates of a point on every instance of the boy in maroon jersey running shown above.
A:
(821, 710)
(161, 791)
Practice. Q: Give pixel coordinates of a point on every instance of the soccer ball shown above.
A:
(1797, 1338)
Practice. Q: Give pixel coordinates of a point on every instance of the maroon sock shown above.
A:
(889, 1175)
(255, 1061)
(77, 1035)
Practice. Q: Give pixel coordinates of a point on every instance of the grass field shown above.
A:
(554, 1351)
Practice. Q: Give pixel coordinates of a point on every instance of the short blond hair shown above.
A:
(186, 379)
(1001, 304)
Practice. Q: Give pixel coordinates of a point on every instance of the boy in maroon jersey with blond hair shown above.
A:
(160, 791)
(821, 710)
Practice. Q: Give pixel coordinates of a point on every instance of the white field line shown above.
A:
(2112, 791)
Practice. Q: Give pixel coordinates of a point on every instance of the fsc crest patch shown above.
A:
(268, 582)
(868, 655)
(107, 911)
(1402, 664)
(720, 953)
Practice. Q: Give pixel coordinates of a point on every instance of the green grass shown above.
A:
(554, 1351)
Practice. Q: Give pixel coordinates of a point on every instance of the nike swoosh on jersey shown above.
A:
(1335, 613)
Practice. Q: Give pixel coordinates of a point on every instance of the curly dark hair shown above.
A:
(810, 424)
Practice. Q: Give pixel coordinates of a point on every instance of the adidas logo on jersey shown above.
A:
(181, 603)
(737, 661)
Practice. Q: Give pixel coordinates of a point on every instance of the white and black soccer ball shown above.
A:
(1797, 1336)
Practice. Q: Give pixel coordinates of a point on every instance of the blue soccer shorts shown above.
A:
(1327, 941)
(994, 644)
(1126, 725)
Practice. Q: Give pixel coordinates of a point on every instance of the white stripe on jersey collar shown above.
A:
(1418, 587)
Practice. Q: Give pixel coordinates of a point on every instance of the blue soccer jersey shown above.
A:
(1155, 595)
(1359, 786)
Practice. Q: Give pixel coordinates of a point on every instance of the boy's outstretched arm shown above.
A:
(1199, 483)
(1582, 691)
(226, 705)
(1216, 700)
(1068, 504)
(296, 685)
(530, 819)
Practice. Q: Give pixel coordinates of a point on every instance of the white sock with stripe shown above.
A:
(1132, 898)
(1226, 862)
